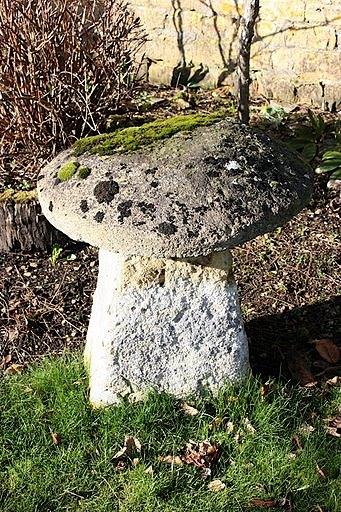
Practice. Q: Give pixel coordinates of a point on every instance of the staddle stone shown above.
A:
(165, 313)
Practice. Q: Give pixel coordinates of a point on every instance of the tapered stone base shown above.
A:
(171, 325)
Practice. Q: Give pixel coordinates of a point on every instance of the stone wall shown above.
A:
(296, 53)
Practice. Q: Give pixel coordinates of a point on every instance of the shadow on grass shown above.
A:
(275, 339)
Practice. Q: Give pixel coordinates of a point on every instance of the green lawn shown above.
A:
(79, 473)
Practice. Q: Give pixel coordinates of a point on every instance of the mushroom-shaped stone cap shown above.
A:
(190, 194)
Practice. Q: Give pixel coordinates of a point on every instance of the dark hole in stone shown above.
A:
(51, 206)
(154, 184)
(162, 277)
(167, 228)
(124, 210)
(84, 206)
(99, 216)
(105, 191)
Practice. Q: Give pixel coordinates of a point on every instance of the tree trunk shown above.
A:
(22, 225)
(251, 11)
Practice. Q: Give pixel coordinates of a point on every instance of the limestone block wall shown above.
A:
(296, 53)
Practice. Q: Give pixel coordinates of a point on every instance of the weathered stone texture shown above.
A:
(170, 325)
(189, 195)
(297, 46)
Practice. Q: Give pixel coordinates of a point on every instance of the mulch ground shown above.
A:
(289, 283)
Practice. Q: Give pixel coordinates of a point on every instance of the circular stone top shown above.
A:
(190, 194)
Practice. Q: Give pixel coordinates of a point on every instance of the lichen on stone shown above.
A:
(132, 138)
(68, 170)
(83, 172)
(18, 196)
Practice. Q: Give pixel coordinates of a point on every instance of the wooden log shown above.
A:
(22, 224)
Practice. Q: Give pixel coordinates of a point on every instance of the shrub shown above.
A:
(65, 66)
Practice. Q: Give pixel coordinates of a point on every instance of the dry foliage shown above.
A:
(65, 65)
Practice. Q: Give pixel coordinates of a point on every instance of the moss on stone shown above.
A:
(84, 172)
(67, 170)
(18, 196)
(131, 139)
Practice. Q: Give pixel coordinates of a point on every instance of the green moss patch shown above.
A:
(84, 172)
(68, 170)
(131, 139)
(18, 196)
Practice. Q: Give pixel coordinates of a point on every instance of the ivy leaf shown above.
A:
(331, 155)
(328, 165)
(309, 151)
(336, 175)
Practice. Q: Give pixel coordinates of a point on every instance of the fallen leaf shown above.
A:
(306, 429)
(327, 350)
(296, 444)
(120, 466)
(264, 390)
(136, 461)
(229, 427)
(300, 370)
(216, 485)
(131, 446)
(201, 455)
(149, 470)
(335, 381)
(258, 502)
(171, 459)
(334, 426)
(249, 427)
(120, 453)
(56, 439)
(189, 410)
(15, 369)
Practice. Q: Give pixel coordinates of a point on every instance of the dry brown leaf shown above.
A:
(120, 453)
(264, 390)
(258, 502)
(216, 486)
(120, 466)
(335, 381)
(334, 426)
(56, 439)
(296, 444)
(300, 370)
(15, 369)
(171, 459)
(328, 350)
(189, 410)
(131, 446)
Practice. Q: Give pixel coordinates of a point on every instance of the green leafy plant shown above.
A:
(273, 114)
(55, 254)
(331, 163)
(308, 137)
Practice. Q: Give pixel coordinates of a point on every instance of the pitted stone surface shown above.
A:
(170, 325)
(188, 195)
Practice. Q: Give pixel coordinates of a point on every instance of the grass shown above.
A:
(79, 473)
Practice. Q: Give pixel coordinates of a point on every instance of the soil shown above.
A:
(289, 283)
